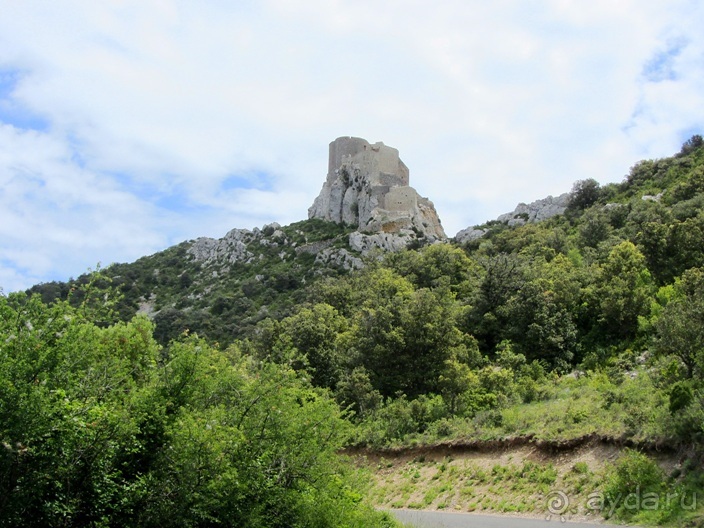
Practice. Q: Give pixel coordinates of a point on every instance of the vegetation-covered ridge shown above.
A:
(221, 296)
(588, 324)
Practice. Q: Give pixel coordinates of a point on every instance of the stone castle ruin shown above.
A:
(368, 186)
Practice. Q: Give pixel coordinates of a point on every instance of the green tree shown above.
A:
(313, 332)
(584, 194)
(404, 336)
(691, 145)
(355, 391)
(680, 327)
(458, 385)
(541, 326)
(437, 265)
(504, 275)
(624, 290)
(594, 229)
(67, 388)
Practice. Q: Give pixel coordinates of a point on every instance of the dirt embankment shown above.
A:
(547, 448)
(519, 475)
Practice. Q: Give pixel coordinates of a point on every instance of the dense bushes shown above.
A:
(102, 427)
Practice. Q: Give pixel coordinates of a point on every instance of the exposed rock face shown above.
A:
(523, 214)
(470, 234)
(231, 248)
(536, 211)
(339, 258)
(652, 197)
(242, 246)
(385, 241)
(238, 245)
(367, 186)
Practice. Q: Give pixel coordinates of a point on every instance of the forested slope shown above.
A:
(588, 324)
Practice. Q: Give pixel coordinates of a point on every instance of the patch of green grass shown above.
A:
(467, 491)
(431, 495)
(581, 468)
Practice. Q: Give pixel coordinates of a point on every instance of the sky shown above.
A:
(129, 126)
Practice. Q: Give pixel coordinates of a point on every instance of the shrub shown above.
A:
(680, 396)
(633, 475)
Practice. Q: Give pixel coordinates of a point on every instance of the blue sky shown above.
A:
(129, 126)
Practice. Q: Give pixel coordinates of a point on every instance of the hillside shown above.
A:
(585, 324)
(221, 289)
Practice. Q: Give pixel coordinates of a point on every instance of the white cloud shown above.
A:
(58, 218)
(153, 109)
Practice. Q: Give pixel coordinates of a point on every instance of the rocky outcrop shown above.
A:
(338, 258)
(366, 243)
(238, 245)
(367, 186)
(231, 248)
(470, 234)
(536, 211)
(652, 197)
(523, 214)
(242, 246)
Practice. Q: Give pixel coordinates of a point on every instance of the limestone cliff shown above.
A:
(367, 187)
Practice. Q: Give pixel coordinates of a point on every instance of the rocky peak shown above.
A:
(367, 187)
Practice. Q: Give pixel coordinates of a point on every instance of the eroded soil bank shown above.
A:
(516, 476)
